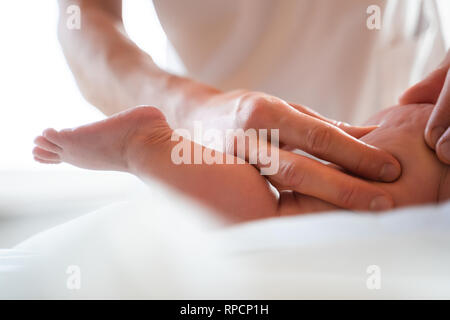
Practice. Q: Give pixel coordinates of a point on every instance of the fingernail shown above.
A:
(444, 148)
(436, 133)
(380, 203)
(389, 172)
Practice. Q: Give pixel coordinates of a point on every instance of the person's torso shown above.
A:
(318, 53)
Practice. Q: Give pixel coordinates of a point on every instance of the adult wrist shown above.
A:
(184, 97)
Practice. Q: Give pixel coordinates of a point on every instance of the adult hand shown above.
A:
(300, 127)
(435, 89)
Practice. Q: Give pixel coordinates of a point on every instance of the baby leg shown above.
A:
(139, 141)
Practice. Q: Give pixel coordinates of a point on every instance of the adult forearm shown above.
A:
(114, 74)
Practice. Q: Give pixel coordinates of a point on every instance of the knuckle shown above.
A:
(251, 108)
(292, 176)
(348, 196)
(319, 139)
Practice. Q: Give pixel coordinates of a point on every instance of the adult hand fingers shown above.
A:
(426, 91)
(354, 131)
(429, 89)
(310, 177)
(435, 89)
(443, 147)
(437, 131)
(332, 144)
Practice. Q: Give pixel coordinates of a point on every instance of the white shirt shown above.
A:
(317, 53)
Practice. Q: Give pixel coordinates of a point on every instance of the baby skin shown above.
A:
(138, 141)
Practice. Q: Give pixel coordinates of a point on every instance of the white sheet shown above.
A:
(33, 201)
(162, 246)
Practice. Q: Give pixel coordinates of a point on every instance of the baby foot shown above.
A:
(109, 144)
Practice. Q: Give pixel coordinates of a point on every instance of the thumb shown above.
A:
(429, 89)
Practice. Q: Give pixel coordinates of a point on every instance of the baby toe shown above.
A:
(46, 161)
(52, 136)
(45, 144)
(45, 155)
